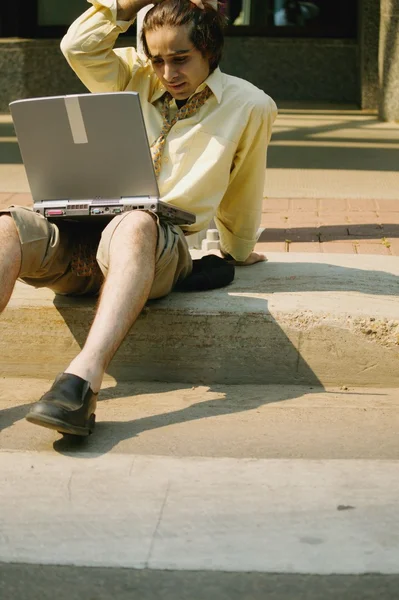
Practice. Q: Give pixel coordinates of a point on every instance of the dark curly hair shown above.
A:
(206, 26)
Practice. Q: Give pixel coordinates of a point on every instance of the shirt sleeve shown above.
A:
(239, 213)
(89, 49)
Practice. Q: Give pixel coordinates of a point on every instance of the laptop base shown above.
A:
(106, 209)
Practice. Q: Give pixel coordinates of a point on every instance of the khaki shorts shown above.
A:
(48, 248)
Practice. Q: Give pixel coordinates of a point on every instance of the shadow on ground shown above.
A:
(151, 584)
(361, 152)
(332, 152)
(348, 232)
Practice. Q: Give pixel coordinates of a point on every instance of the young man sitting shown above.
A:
(208, 134)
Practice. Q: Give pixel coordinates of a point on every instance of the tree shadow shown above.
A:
(9, 148)
(310, 145)
(349, 232)
(297, 152)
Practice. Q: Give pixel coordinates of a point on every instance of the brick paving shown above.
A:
(351, 226)
(315, 225)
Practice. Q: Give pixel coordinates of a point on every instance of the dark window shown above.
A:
(293, 18)
(50, 13)
(271, 18)
(40, 18)
(16, 19)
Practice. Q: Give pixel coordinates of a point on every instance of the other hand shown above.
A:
(252, 259)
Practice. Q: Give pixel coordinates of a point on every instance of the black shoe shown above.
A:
(67, 407)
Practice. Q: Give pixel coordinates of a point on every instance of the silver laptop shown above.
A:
(87, 157)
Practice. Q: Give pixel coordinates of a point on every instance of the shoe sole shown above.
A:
(62, 426)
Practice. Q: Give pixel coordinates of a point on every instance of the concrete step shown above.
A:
(298, 319)
(193, 514)
(239, 421)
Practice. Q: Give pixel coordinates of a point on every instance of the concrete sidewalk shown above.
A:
(332, 182)
(191, 470)
(218, 514)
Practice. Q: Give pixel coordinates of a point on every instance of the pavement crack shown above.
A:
(157, 525)
(69, 488)
(369, 368)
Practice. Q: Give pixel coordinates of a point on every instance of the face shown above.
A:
(179, 66)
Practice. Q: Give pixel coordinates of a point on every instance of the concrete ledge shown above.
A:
(298, 319)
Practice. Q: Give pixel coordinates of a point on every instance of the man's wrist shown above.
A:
(226, 255)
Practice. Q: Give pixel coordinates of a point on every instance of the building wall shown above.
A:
(389, 61)
(287, 69)
(316, 70)
(369, 33)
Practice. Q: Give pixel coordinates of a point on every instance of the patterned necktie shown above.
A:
(188, 110)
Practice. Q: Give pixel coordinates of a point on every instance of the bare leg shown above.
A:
(10, 258)
(125, 291)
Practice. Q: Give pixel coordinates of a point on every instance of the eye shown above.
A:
(180, 59)
(156, 61)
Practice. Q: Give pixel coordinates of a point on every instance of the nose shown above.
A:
(169, 73)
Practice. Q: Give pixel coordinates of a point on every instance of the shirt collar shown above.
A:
(214, 81)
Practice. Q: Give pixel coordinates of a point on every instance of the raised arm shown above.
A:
(89, 43)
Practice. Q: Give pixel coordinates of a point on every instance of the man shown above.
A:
(208, 134)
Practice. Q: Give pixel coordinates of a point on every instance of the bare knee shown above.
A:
(9, 238)
(140, 220)
(8, 227)
(137, 224)
(10, 258)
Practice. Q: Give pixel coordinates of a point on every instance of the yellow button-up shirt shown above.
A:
(213, 162)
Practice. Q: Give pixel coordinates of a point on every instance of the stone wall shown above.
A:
(369, 44)
(31, 68)
(287, 69)
(315, 70)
